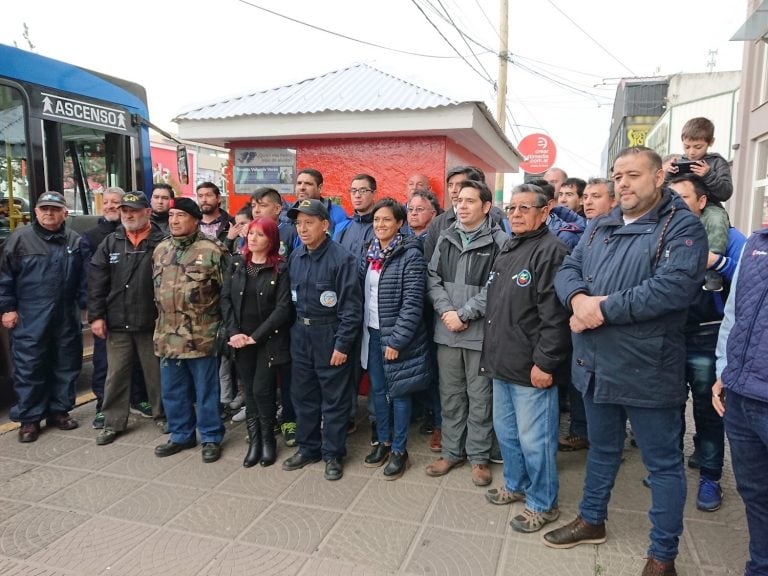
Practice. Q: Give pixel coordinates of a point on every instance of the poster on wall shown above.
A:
(257, 167)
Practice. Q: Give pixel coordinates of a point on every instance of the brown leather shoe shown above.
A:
(481, 474)
(576, 532)
(61, 421)
(655, 567)
(436, 440)
(29, 432)
(572, 444)
(442, 466)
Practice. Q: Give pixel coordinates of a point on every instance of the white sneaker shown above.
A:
(240, 416)
(237, 402)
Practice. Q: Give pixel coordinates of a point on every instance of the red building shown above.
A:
(353, 120)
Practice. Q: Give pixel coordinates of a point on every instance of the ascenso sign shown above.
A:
(88, 113)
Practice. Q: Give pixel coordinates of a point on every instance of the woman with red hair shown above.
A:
(257, 309)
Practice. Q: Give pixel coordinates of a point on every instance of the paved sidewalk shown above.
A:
(69, 507)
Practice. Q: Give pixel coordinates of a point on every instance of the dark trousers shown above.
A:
(99, 376)
(46, 364)
(259, 382)
(289, 414)
(320, 392)
(746, 423)
(123, 348)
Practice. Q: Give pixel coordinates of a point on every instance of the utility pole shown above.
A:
(501, 87)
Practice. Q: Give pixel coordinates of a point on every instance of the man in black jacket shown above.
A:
(524, 316)
(121, 309)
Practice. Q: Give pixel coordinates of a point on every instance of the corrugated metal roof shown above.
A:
(359, 88)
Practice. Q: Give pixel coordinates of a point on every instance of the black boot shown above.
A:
(269, 444)
(254, 446)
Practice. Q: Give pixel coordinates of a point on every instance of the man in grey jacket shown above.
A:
(457, 275)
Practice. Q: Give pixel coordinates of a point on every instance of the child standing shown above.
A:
(698, 135)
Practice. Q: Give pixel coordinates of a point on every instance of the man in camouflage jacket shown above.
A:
(187, 275)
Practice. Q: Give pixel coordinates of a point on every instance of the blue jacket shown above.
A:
(324, 286)
(566, 225)
(744, 333)
(401, 299)
(650, 270)
(357, 235)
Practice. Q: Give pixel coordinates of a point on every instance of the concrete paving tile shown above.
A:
(242, 560)
(140, 463)
(93, 493)
(460, 478)
(290, 527)
(382, 543)
(39, 483)
(717, 546)
(155, 503)
(9, 508)
(455, 554)
(94, 547)
(268, 482)
(469, 511)
(34, 528)
(312, 488)
(192, 471)
(417, 471)
(47, 448)
(13, 568)
(93, 457)
(142, 432)
(387, 499)
(221, 515)
(11, 468)
(732, 510)
(330, 567)
(628, 536)
(631, 565)
(168, 553)
(525, 554)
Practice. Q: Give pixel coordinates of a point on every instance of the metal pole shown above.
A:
(501, 87)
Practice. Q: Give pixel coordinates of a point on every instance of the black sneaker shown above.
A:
(143, 409)
(98, 422)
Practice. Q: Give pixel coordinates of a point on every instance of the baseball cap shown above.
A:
(311, 207)
(135, 200)
(55, 199)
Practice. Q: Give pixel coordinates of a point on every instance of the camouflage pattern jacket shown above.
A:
(187, 274)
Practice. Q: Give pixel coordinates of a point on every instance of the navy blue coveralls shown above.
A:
(329, 313)
(41, 278)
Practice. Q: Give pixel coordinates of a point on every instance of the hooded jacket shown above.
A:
(650, 270)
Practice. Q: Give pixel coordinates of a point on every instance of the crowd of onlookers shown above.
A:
(607, 299)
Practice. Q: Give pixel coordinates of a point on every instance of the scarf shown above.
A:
(376, 255)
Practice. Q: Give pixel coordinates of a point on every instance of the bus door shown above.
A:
(14, 182)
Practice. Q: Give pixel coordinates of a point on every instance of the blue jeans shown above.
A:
(184, 383)
(700, 375)
(396, 428)
(526, 421)
(746, 423)
(657, 432)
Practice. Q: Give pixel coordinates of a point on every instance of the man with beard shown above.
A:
(216, 222)
(162, 194)
(121, 310)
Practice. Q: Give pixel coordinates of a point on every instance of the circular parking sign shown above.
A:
(539, 153)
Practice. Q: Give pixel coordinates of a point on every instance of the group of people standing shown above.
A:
(479, 315)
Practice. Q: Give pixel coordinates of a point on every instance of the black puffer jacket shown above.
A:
(120, 287)
(273, 306)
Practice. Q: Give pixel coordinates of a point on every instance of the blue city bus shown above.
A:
(67, 129)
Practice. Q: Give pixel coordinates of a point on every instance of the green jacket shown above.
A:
(187, 274)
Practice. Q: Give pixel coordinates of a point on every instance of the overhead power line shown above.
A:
(464, 38)
(344, 36)
(588, 35)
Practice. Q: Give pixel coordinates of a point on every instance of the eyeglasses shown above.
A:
(359, 191)
(523, 208)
